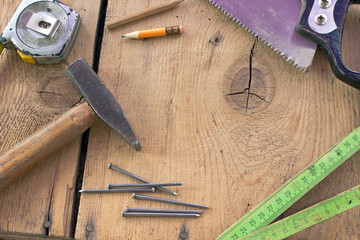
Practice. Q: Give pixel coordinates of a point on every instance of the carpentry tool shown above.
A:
(114, 186)
(278, 24)
(310, 216)
(142, 14)
(127, 209)
(25, 155)
(138, 196)
(42, 31)
(293, 190)
(112, 167)
(152, 214)
(124, 190)
(157, 32)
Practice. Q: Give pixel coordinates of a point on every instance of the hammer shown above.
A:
(100, 103)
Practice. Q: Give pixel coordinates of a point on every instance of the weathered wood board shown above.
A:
(189, 102)
(41, 203)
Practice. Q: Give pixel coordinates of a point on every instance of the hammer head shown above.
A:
(101, 100)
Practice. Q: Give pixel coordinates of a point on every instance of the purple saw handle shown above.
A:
(328, 35)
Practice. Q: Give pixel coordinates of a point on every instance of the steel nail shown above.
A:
(154, 210)
(117, 190)
(138, 196)
(110, 166)
(111, 186)
(147, 214)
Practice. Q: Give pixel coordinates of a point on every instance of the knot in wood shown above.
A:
(249, 92)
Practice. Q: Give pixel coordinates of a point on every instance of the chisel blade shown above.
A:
(101, 100)
(274, 23)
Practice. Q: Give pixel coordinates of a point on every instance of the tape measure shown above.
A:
(293, 190)
(42, 31)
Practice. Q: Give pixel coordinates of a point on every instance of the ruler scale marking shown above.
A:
(309, 216)
(294, 189)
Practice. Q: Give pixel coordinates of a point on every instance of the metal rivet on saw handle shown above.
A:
(320, 19)
(324, 3)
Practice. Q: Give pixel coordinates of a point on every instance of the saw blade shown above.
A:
(274, 23)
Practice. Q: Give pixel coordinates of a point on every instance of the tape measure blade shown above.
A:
(309, 217)
(294, 189)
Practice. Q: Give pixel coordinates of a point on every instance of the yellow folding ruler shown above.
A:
(255, 224)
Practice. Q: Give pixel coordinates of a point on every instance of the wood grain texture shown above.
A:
(25, 155)
(30, 97)
(142, 14)
(345, 225)
(199, 121)
(28, 237)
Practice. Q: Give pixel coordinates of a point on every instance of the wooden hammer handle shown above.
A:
(30, 152)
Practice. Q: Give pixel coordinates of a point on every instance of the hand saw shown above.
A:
(294, 29)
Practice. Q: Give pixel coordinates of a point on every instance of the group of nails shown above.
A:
(148, 186)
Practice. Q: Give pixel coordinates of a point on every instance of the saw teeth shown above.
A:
(286, 57)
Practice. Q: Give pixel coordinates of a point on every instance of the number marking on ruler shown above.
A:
(309, 217)
(272, 207)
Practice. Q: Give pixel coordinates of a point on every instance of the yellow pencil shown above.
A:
(157, 32)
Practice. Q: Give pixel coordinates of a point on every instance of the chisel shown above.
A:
(100, 103)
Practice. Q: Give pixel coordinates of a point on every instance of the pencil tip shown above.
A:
(123, 36)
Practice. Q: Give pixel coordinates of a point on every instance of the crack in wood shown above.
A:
(47, 221)
(48, 217)
(214, 41)
(85, 137)
(48, 92)
(78, 102)
(247, 90)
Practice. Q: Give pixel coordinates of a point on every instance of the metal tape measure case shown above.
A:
(43, 31)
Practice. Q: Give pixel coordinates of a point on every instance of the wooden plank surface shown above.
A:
(30, 97)
(231, 150)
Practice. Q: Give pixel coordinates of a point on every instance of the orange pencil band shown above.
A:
(157, 32)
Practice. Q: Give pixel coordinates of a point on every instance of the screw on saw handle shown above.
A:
(323, 22)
